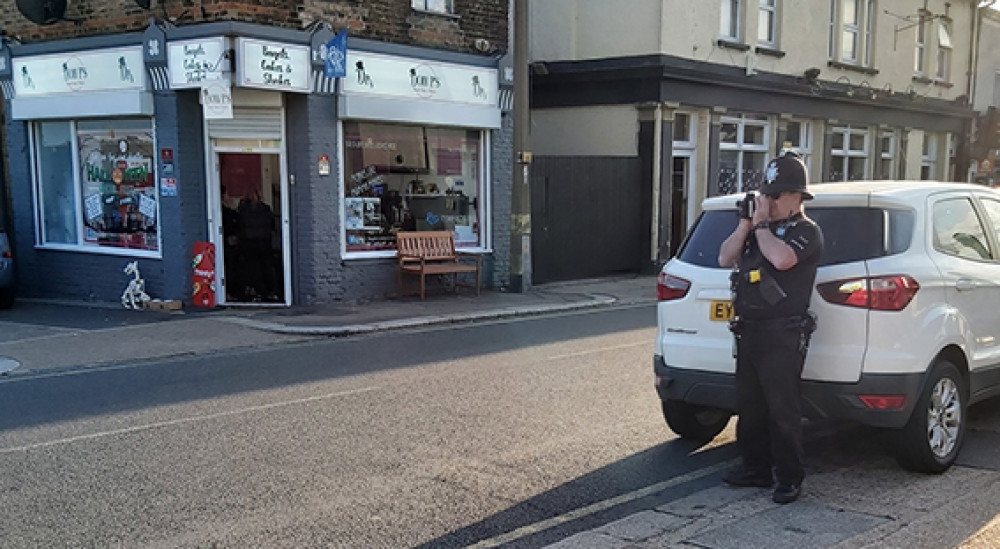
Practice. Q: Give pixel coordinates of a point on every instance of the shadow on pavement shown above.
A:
(657, 464)
(29, 400)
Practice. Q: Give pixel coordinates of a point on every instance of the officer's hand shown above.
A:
(762, 213)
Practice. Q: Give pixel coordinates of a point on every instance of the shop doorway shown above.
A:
(251, 259)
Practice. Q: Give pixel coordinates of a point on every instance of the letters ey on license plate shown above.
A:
(721, 310)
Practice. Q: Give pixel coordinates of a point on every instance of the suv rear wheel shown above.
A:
(931, 439)
(694, 422)
(6, 298)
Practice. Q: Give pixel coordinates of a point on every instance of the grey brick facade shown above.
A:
(319, 272)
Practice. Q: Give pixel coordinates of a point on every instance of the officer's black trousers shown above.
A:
(768, 401)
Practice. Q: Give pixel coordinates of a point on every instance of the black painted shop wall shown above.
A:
(85, 276)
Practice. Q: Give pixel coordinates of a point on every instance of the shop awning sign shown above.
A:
(113, 69)
(409, 78)
(272, 66)
(194, 62)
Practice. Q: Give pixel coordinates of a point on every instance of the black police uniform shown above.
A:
(773, 327)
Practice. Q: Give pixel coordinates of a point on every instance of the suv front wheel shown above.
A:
(931, 439)
(694, 422)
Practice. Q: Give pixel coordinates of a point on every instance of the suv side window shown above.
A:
(958, 230)
(992, 208)
(849, 234)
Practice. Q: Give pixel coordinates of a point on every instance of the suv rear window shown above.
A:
(849, 234)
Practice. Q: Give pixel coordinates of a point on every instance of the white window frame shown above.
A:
(892, 154)
(434, 6)
(731, 20)
(920, 50)
(691, 141)
(767, 24)
(485, 189)
(860, 28)
(41, 239)
(929, 156)
(944, 50)
(846, 153)
(740, 146)
(805, 146)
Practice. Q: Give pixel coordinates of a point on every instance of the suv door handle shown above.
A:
(964, 284)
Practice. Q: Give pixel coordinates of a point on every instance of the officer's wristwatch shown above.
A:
(762, 225)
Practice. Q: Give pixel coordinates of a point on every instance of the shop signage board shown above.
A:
(408, 78)
(194, 62)
(114, 69)
(272, 66)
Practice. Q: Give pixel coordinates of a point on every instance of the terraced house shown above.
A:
(641, 110)
(291, 140)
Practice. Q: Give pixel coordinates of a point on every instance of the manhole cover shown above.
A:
(8, 364)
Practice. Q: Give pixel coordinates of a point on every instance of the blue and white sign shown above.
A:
(335, 62)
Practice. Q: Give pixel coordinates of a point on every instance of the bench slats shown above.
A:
(431, 252)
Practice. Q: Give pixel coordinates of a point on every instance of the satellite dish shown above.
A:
(42, 12)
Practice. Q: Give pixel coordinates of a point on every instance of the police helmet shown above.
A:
(786, 173)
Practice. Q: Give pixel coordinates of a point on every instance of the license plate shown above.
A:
(721, 310)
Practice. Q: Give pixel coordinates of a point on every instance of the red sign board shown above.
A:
(203, 275)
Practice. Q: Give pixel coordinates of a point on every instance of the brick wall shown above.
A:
(503, 178)
(385, 20)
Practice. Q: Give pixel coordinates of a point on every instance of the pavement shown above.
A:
(868, 503)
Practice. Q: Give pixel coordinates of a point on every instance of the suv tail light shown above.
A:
(669, 287)
(6, 254)
(878, 293)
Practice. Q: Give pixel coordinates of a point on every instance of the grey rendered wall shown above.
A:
(73, 275)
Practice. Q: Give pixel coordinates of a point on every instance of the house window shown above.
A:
(729, 23)
(851, 23)
(767, 24)
(743, 153)
(886, 168)
(411, 178)
(849, 153)
(684, 130)
(920, 53)
(928, 158)
(95, 186)
(944, 51)
(436, 6)
(799, 137)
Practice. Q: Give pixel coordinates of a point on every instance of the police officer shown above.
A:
(774, 249)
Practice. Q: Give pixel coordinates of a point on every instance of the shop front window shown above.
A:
(410, 178)
(95, 185)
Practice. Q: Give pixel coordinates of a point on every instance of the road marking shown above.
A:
(181, 421)
(599, 350)
(599, 506)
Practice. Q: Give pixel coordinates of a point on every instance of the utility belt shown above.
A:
(805, 323)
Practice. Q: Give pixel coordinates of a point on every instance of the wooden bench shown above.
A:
(423, 253)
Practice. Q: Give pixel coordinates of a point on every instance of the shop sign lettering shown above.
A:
(191, 64)
(423, 81)
(272, 65)
(401, 77)
(81, 71)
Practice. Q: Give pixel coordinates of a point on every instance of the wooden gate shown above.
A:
(586, 217)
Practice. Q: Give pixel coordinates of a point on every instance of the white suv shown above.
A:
(908, 304)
